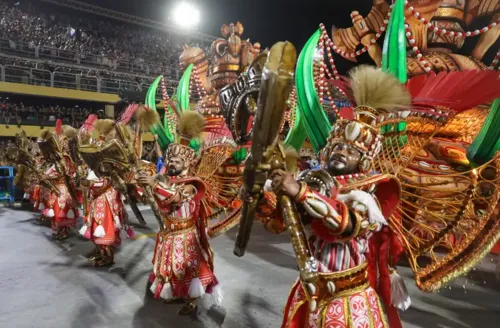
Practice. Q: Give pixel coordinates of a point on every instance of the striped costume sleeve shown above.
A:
(165, 194)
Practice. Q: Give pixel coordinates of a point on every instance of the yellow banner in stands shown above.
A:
(36, 90)
(33, 131)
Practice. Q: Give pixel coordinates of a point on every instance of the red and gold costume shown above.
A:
(105, 217)
(350, 247)
(183, 261)
(62, 210)
(32, 179)
(40, 195)
(445, 149)
(346, 260)
(360, 264)
(61, 205)
(183, 266)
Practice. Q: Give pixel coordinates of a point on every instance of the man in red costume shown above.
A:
(183, 260)
(346, 208)
(104, 219)
(62, 206)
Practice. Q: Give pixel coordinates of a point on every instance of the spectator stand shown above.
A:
(76, 33)
(44, 111)
(61, 75)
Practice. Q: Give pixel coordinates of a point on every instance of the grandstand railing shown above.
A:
(103, 62)
(41, 77)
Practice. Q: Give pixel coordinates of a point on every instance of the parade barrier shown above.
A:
(7, 189)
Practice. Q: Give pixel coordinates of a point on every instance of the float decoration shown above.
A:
(316, 121)
(487, 142)
(165, 135)
(394, 51)
(297, 135)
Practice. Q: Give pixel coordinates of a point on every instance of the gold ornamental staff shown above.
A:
(267, 156)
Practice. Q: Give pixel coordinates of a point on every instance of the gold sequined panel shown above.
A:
(442, 62)
(466, 125)
(414, 67)
(174, 224)
(450, 12)
(399, 148)
(466, 63)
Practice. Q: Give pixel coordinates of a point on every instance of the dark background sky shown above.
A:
(266, 21)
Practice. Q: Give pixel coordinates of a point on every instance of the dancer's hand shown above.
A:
(144, 179)
(284, 183)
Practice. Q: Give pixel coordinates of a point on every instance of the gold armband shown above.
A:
(301, 195)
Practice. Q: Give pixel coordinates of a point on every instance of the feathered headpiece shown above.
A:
(45, 134)
(69, 131)
(378, 97)
(58, 128)
(190, 126)
(102, 128)
(88, 126)
(49, 143)
(146, 118)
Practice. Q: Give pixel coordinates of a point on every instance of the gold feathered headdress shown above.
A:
(190, 126)
(69, 131)
(378, 97)
(45, 134)
(49, 143)
(146, 117)
(102, 128)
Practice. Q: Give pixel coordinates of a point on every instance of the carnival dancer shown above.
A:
(62, 206)
(105, 215)
(345, 206)
(183, 261)
(29, 165)
(104, 219)
(41, 193)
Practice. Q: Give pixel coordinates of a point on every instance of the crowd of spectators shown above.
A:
(89, 38)
(44, 115)
(44, 44)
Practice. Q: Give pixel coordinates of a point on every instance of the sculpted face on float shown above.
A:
(344, 159)
(176, 166)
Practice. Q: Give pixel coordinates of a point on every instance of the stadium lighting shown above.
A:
(186, 15)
